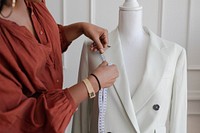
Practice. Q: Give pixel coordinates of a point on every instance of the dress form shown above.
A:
(134, 42)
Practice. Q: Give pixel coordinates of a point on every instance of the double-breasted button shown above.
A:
(156, 107)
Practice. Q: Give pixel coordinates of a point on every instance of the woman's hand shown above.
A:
(106, 74)
(97, 34)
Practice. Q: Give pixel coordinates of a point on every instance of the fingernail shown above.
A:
(101, 51)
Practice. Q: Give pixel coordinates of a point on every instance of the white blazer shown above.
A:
(159, 104)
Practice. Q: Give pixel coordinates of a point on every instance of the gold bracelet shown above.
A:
(89, 87)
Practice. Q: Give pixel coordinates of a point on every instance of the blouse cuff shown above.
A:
(68, 95)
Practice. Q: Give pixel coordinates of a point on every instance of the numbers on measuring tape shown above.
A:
(102, 102)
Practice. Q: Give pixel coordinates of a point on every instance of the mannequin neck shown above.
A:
(130, 5)
(130, 25)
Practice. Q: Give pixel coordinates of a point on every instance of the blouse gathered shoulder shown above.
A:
(31, 96)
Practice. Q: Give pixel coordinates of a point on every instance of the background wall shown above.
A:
(175, 20)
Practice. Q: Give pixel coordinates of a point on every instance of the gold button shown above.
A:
(57, 80)
(41, 32)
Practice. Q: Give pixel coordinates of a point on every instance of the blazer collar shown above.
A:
(155, 65)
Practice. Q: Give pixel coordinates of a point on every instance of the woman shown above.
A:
(31, 43)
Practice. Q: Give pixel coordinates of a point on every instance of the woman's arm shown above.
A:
(106, 76)
(43, 111)
(95, 33)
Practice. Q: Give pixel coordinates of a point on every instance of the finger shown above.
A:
(104, 63)
(104, 39)
(101, 50)
(99, 45)
(93, 47)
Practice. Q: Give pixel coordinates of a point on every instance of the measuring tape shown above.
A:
(102, 110)
(102, 101)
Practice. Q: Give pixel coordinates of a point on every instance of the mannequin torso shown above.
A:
(134, 42)
(160, 96)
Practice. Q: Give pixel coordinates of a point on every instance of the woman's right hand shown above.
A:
(106, 74)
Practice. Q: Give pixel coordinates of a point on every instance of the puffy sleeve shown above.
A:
(44, 111)
(64, 42)
(50, 112)
(178, 115)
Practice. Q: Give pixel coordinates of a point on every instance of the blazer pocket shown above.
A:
(160, 130)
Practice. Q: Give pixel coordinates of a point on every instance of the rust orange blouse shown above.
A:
(31, 96)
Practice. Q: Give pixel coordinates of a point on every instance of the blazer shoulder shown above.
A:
(173, 47)
(167, 45)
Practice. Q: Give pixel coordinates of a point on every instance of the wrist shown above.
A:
(89, 87)
(94, 83)
(97, 79)
(83, 27)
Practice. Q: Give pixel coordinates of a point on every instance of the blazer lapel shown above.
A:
(121, 86)
(155, 67)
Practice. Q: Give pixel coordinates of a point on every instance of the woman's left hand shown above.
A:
(98, 35)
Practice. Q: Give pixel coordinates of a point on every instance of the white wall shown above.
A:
(175, 20)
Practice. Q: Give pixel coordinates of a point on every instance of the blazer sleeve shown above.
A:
(82, 116)
(178, 115)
